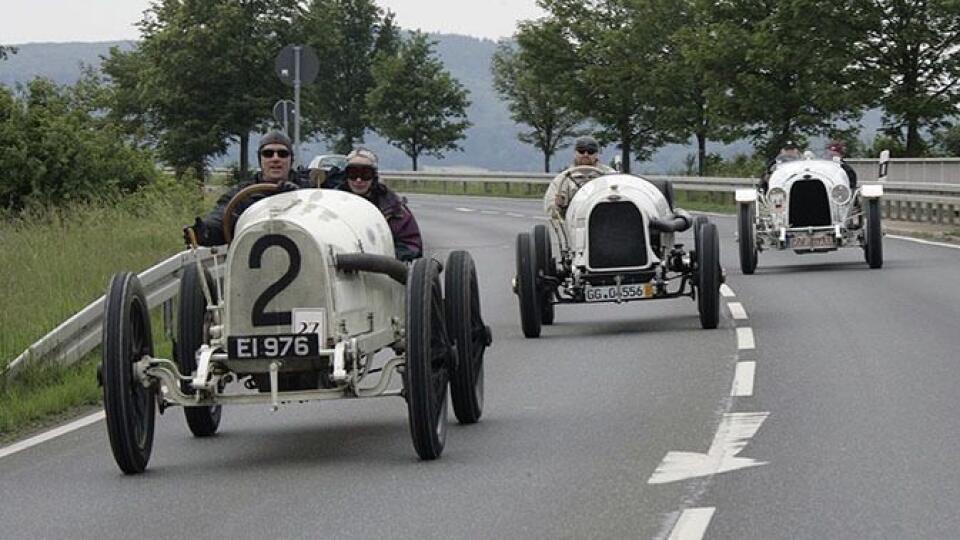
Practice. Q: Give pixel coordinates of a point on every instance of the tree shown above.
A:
(347, 35)
(790, 67)
(416, 105)
(533, 102)
(6, 50)
(204, 72)
(912, 47)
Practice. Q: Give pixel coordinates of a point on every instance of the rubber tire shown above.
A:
(191, 317)
(546, 266)
(129, 406)
(471, 336)
(873, 250)
(426, 375)
(665, 187)
(530, 312)
(747, 231)
(708, 276)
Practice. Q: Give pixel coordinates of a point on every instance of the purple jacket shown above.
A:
(407, 241)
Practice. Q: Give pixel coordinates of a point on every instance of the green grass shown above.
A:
(55, 263)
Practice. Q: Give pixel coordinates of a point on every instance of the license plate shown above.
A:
(608, 293)
(273, 347)
(813, 242)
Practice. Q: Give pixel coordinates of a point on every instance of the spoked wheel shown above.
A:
(193, 326)
(873, 236)
(472, 337)
(527, 286)
(128, 404)
(747, 233)
(708, 276)
(428, 360)
(546, 267)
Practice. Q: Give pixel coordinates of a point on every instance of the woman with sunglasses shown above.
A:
(363, 179)
(275, 155)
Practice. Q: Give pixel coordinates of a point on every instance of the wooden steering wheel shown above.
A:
(242, 195)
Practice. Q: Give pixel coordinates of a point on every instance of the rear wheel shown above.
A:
(873, 236)
(708, 276)
(546, 267)
(472, 337)
(428, 358)
(747, 232)
(193, 327)
(128, 404)
(529, 297)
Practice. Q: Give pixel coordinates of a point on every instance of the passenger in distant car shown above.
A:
(836, 150)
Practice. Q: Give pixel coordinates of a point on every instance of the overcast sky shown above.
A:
(25, 21)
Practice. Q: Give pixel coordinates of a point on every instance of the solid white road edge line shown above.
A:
(737, 311)
(692, 524)
(726, 291)
(52, 434)
(743, 379)
(745, 339)
(924, 242)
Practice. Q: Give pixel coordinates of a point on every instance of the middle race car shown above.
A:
(616, 244)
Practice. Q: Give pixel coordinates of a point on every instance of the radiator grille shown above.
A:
(809, 206)
(617, 237)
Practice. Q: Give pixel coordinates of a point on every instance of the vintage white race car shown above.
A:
(311, 293)
(809, 207)
(617, 243)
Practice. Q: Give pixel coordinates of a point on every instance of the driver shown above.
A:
(586, 153)
(363, 179)
(275, 154)
(790, 151)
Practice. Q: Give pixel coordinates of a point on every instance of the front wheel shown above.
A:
(530, 311)
(873, 236)
(747, 233)
(193, 329)
(128, 404)
(708, 276)
(546, 267)
(428, 358)
(472, 337)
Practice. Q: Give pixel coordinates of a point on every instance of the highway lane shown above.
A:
(854, 366)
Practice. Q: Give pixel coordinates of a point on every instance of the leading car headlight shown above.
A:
(777, 198)
(840, 194)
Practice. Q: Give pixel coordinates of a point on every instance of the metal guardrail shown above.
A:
(73, 339)
(80, 334)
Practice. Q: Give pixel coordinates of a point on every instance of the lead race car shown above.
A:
(616, 243)
(810, 207)
(311, 293)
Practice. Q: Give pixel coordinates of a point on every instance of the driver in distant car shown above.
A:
(790, 151)
(586, 153)
(363, 179)
(275, 155)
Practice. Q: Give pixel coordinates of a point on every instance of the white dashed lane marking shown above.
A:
(692, 524)
(490, 212)
(465, 209)
(737, 311)
(743, 379)
(726, 291)
(745, 339)
(516, 215)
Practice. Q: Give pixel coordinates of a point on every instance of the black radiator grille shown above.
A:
(809, 206)
(617, 238)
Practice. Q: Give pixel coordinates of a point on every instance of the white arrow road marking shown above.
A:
(726, 291)
(52, 434)
(737, 311)
(692, 524)
(461, 209)
(745, 339)
(735, 431)
(743, 379)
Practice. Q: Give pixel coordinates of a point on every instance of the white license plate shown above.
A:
(813, 242)
(608, 293)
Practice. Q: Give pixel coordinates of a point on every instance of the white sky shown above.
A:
(25, 21)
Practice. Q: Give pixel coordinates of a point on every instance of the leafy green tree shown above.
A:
(347, 35)
(788, 67)
(204, 71)
(912, 48)
(416, 105)
(533, 102)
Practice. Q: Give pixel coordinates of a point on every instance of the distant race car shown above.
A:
(616, 243)
(311, 293)
(809, 207)
(328, 161)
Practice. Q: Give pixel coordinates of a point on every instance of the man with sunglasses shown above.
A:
(363, 179)
(586, 153)
(275, 155)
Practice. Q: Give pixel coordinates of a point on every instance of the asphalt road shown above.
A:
(617, 423)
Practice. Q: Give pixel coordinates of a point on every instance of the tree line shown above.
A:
(644, 73)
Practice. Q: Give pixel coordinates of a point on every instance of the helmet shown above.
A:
(363, 158)
(586, 142)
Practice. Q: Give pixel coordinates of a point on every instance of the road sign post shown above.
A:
(297, 65)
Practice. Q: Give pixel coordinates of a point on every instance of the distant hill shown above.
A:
(491, 143)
